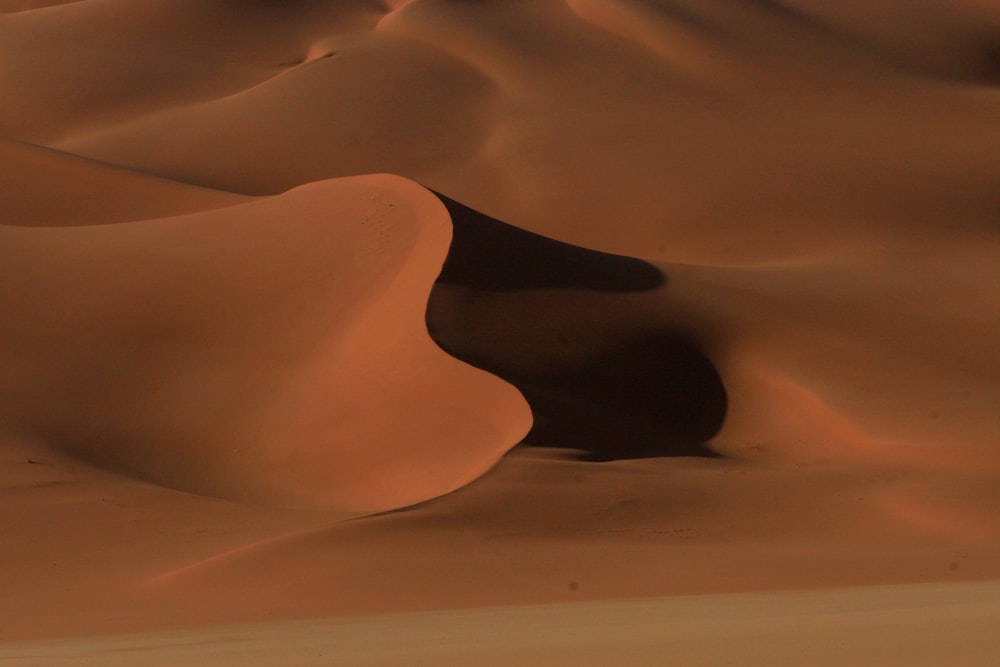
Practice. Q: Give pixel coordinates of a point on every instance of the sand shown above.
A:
(921, 625)
(318, 312)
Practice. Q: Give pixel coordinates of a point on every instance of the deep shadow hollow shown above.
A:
(490, 255)
(650, 394)
(657, 395)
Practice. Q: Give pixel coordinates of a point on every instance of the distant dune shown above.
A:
(721, 276)
(50, 188)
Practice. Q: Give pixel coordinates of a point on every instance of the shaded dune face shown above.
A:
(598, 378)
(272, 352)
(656, 395)
(955, 41)
(491, 255)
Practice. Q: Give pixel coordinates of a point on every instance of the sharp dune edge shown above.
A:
(613, 299)
(264, 352)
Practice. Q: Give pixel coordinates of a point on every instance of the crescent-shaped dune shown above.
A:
(272, 351)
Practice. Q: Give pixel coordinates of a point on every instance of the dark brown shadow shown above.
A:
(989, 61)
(657, 395)
(487, 254)
(649, 394)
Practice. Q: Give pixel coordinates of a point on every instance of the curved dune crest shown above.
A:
(40, 187)
(13, 6)
(152, 56)
(771, 130)
(273, 352)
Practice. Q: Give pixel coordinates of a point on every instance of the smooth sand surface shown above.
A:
(912, 625)
(251, 340)
(349, 308)
(48, 188)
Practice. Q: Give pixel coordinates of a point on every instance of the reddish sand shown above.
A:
(738, 257)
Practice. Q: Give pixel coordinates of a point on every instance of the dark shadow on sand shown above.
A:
(653, 394)
(487, 254)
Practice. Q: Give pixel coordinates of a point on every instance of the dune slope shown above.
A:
(40, 187)
(273, 351)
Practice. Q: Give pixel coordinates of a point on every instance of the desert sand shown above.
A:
(332, 324)
(924, 624)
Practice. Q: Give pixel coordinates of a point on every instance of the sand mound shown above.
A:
(800, 137)
(40, 187)
(88, 65)
(11, 6)
(273, 352)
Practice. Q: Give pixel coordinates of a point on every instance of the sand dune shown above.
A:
(803, 139)
(254, 352)
(41, 187)
(738, 257)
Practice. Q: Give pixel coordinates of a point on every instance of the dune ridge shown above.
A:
(46, 188)
(252, 352)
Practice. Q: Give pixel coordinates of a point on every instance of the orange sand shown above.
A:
(739, 257)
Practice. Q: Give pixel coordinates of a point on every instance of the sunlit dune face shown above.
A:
(271, 352)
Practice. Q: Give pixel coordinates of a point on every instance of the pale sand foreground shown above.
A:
(880, 626)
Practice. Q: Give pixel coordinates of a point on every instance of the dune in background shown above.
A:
(45, 188)
(739, 258)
